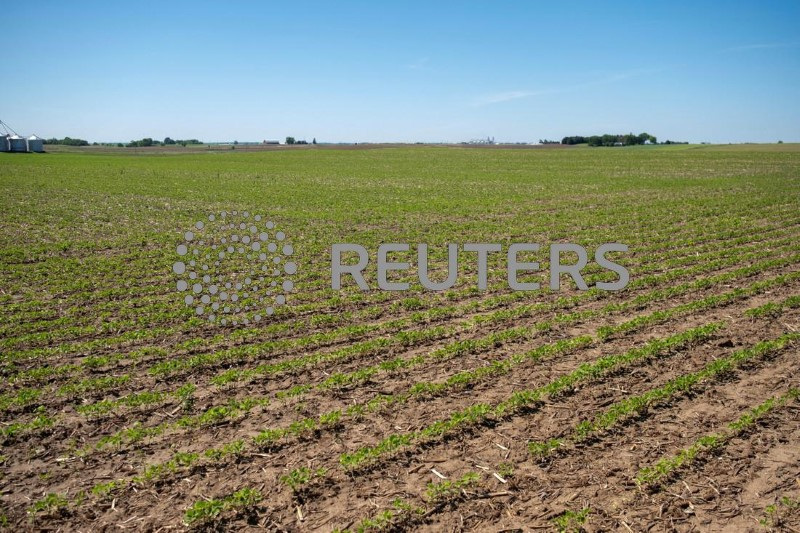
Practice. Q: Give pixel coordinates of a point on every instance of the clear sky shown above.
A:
(412, 71)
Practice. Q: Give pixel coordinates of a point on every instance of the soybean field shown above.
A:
(672, 404)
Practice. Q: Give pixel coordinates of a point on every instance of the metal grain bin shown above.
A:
(17, 144)
(35, 144)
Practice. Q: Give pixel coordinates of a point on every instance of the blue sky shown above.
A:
(370, 71)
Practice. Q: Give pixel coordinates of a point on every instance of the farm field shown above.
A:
(673, 404)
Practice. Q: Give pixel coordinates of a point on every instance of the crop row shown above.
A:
(664, 468)
(232, 409)
(406, 338)
(48, 335)
(319, 339)
(459, 348)
(66, 273)
(472, 415)
(526, 399)
(774, 309)
(635, 405)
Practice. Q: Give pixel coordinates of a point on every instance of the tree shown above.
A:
(167, 140)
(235, 142)
(642, 138)
(608, 139)
(68, 141)
(290, 140)
(314, 140)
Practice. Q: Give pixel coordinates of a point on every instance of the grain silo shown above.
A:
(3, 142)
(35, 144)
(17, 144)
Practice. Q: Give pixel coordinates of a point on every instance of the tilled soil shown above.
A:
(728, 489)
(418, 410)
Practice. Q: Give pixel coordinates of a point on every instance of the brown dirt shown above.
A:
(727, 490)
(598, 474)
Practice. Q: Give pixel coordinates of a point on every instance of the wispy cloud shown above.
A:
(759, 46)
(420, 64)
(621, 76)
(507, 96)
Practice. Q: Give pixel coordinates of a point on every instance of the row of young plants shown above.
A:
(205, 511)
(382, 401)
(23, 398)
(105, 268)
(455, 349)
(401, 514)
(525, 399)
(14, 360)
(636, 405)
(233, 408)
(666, 467)
(94, 361)
(774, 309)
(112, 326)
(472, 415)
(405, 338)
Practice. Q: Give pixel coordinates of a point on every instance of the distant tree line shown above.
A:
(292, 140)
(575, 139)
(608, 139)
(548, 141)
(148, 141)
(68, 141)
